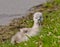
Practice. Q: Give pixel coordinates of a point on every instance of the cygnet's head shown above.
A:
(37, 17)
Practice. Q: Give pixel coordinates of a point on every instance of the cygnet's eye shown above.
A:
(40, 16)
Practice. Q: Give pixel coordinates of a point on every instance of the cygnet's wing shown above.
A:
(25, 30)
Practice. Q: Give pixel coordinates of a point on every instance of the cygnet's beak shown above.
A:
(40, 19)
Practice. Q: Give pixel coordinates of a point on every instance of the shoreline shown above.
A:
(4, 19)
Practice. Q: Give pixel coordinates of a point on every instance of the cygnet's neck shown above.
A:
(34, 29)
(36, 24)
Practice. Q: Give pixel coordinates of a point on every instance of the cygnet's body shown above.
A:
(28, 32)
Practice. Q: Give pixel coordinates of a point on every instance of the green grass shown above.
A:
(48, 37)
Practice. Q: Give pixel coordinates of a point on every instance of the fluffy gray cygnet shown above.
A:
(28, 32)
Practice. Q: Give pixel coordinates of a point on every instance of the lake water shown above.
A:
(8, 8)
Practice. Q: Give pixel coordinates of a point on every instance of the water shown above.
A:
(8, 8)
